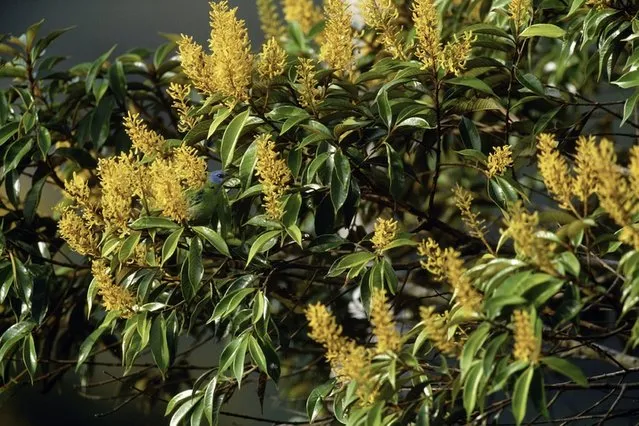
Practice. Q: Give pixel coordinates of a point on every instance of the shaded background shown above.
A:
(100, 24)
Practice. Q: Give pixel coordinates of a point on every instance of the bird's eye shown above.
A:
(220, 175)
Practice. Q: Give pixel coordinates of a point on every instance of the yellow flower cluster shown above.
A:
(349, 361)
(521, 226)
(309, 94)
(436, 327)
(336, 47)
(429, 50)
(554, 170)
(499, 160)
(197, 65)
(447, 265)
(520, 12)
(385, 233)
(269, 19)
(114, 297)
(231, 51)
(78, 189)
(304, 12)
(384, 328)
(144, 139)
(121, 179)
(272, 60)
(382, 15)
(586, 164)
(273, 174)
(475, 225)
(599, 4)
(179, 93)
(78, 233)
(527, 347)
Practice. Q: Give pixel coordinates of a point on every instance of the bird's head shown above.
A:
(217, 177)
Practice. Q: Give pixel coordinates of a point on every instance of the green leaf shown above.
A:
(29, 356)
(95, 68)
(472, 345)
(159, 344)
(32, 200)
(628, 80)
(196, 268)
(213, 238)
(16, 153)
(259, 243)
(247, 165)
(383, 106)
(473, 83)
(352, 260)
(543, 30)
(209, 402)
(13, 335)
(128, 246)
(520, 394)
(229, 303)
(170, 244)
(231, 135)
(150, 222)
(471, 387)
(257, 354)
(340, 180)
(396, 175)
(629, 106)
(8, 130)
(566, 368)
(470, 135)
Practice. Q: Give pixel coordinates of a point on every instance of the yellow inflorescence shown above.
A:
(437, 330)
(188, 167)
(78, 233)
(475, 225)
(79, 191)
(520, 11)
(309, 94)
(273, 174)
(521, 226)
(121, 179)
(168, 195)
(455, 54)
(114, 297)
(385, 233)
(384, 328)
(349, 361)
(144, 140)
(447, 265)
(304, 12)
(585, 180)
(527, 346)
(197, 65)
(231, 52)
(272, 60)
(499, 160)
(269, 19)
(383, 16)
(554, 170)
(336, 47)
(179, 93)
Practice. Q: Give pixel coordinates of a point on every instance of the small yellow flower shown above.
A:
(447, 265)
(455, 54)
(527, 346)
(231, 52)
(554, 170)
(385, 233)
(269, 19)
(521, 226)
(189, 169)
(309, 94)
(336, 47)
(383, 16)
(437, 330)
(144, 140)
(167, 192)
(384, 327)
(499, 160)
(273, 174)
(179, 93)
(520, 12)
(304, 12)
(114, 297)
(463, 201)
(272, 60)
(197, 65)
(121, 179)
(427, 33)
(78, 233)
(599, 4)
(585, 181)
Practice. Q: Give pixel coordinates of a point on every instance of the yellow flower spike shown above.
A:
(520, 12)
(231, 52)
(272, 60)
(197, 65)
(309, 94)
(188, 167)
(585, 182)
(554, 170)
(437, 330)
(273, 174)
(385, 233)
(475, 225)
(121, 179)
(383, 16)
(455, 53)
(613, 188)
(78, 189)
(447, 265)
(499, 160)
(384, 328)
(166, 190)
(179, 93)
(427, 33)
(304, 12)
(633, 170)
(78, 234)
(269, 19)
(527, 346)
(336, 47)
(114, 297)
(144, 139)
(521, 226)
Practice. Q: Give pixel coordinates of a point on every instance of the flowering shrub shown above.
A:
(428, 219)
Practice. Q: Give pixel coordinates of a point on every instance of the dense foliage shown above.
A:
(403, 212)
